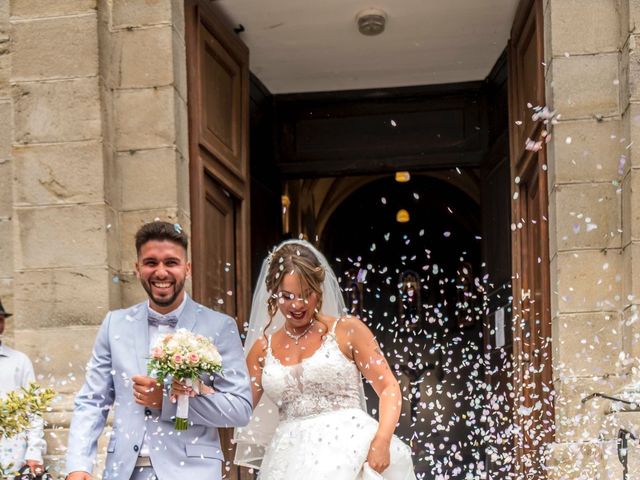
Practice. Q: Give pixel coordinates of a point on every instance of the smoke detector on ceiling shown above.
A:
(371, 21)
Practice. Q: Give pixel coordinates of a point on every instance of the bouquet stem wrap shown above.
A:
(182, 409)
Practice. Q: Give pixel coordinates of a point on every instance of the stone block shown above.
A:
(50, 8)
(148, 178)
(630, 203)
(587, 344)
(588, 280)
(6, 129)
(4, 19)
(182, 126)
(577, 94)
(58, 437)
(630, 62)
(58, 111)
(133, 13)
(582, 461)
(144, 118)
(633, 15)
(6, 188)
(62, 297)
(144, 57)
(179, 56)
(631, 335)
(5, 68)
(584, 26)
(56, 367)
(131, 290)
(129, 224)
(58, 173)
(177, 18)
(632, 149)
(630, 276)
(586, 216)
(60, 236)
(577, 421)
(59, 47)
(587, 151)
(113, 239)
(184, 194)
(6, 248)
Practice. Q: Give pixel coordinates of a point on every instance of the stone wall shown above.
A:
(95, 146)
(593, 202)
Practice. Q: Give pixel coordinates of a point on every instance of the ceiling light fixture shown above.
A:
(403, 177)
(402, 216)
(371, 21)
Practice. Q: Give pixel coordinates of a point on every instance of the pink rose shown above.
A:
(158, 353)
(177, 358)
(194, 358)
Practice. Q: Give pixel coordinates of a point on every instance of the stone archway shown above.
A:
(404, 280)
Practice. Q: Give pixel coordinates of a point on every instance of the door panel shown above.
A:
(218, 99)
(533, 380)
(219, 249)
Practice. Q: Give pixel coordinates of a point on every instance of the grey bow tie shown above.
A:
(156, 319)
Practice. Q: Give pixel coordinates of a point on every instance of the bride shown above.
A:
(305, 361)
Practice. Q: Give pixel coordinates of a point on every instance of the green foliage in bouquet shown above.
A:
(16, 411)
(18, 406)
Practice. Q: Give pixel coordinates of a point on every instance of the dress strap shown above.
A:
(333, 327)
(269, 344)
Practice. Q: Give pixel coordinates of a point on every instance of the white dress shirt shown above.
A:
(154, 334)
(16, 372)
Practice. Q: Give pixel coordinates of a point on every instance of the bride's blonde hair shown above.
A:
(293, 258)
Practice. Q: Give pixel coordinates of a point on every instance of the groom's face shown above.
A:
(162, 268)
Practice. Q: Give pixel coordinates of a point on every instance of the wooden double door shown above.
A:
(218, 82)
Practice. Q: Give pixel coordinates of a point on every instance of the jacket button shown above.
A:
(136, 448)
(147, 412)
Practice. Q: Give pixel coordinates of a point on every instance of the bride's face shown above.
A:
(296, 301)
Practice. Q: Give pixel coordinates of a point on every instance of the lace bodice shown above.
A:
(324, 382)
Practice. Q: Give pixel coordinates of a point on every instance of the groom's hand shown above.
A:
(147, 391)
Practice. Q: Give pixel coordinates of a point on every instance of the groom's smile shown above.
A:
(162, 268)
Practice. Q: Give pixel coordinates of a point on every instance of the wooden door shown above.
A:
(218, 101)
(533, 381)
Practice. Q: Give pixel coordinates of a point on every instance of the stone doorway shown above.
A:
(415, 281)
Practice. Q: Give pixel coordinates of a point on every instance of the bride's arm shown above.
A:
(255, 362)
(366, 353)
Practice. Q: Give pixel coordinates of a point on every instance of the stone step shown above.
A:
(58, 439)
(56, 465)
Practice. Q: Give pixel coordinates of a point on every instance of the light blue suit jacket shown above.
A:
(121, 351)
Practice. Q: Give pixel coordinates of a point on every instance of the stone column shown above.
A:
(97, 146)
(588, 177)
(6, 174)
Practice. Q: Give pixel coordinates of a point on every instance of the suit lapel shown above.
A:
(141, 332)
(189, 315)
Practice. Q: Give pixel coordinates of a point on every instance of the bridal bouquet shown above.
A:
(184, 355)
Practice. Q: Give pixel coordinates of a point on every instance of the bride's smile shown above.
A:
(297, 303)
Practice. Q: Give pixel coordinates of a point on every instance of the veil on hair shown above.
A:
(252, 440)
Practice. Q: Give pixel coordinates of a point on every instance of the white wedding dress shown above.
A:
(323, 434)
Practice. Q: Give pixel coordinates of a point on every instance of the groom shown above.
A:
(144, 444)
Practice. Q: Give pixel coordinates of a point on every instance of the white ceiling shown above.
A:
(314, 45)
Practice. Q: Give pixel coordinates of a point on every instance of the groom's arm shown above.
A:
(230, 405)
(92, 405)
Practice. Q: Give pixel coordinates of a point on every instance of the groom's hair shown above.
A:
(160, 231)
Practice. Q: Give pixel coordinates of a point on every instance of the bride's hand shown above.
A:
(379, 456)
(179, 388)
